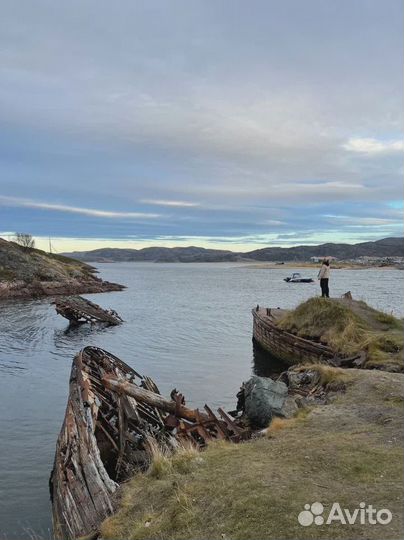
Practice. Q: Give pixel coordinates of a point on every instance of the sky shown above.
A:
(219, 123)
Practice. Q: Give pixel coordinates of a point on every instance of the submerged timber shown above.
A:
(115, 419)
(79, 310)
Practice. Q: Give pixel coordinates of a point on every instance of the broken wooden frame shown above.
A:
(114, 420)
(80, 310)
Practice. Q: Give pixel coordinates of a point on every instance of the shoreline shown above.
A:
(40, 289)
(258, 265)
(274, 266)
(32, 273)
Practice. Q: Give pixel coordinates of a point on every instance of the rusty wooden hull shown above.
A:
(105, 437)
(115, 419)
(285, 346)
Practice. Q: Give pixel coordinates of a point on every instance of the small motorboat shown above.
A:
(297, 278)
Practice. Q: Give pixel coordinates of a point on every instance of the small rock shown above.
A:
(290, 407)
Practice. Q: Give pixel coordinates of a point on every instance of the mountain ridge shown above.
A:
(385, 247)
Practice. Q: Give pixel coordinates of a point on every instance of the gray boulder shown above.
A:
(263, 398)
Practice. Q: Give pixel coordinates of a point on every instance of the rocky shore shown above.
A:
(32, 273)
(22, 289)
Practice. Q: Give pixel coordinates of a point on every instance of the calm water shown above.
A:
(186, 325)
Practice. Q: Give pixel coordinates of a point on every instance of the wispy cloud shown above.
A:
(176, 204)
(27, 203)
(373, 146)
(250, 134)
(365, 221)
(273, 222)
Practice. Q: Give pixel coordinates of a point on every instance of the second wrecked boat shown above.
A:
(293, 349)
(77, 309)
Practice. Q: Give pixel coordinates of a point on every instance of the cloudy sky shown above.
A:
(225, 123)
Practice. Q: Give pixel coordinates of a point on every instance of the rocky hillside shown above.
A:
(388, 247)
(29, 273)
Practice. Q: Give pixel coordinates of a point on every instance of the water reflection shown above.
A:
(73, 337)
(265, 364)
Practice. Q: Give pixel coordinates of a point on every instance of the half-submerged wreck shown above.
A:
(77, 310)
(293, 349)
(114, 420)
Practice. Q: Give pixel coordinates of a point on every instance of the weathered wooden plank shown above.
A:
(151, 398)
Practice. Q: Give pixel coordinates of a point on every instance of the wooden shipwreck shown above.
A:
(80, 310)
(293, 349)
(114, 420)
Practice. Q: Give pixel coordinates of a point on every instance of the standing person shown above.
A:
(324, 276)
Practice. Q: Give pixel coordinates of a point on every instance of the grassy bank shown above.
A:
(348, 451)
(28, 264)
(349, 327)
(30, 272)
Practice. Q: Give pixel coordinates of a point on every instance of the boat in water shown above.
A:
(296, 277)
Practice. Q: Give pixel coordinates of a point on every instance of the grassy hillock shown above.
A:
(17, 262)
(28, 272)
(349, 327)
(347, 451)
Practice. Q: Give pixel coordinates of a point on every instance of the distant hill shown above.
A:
(26, 273)
(155, 254)
(387, 247)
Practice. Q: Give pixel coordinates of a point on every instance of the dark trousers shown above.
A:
(325, 291)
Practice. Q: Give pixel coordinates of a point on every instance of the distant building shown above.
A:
(377, 261)
(319, 259)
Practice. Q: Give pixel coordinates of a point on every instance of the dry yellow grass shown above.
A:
(327, 374)
(350, 327)
(347, 451)
(279, 423)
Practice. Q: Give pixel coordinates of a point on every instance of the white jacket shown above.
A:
(324, 272)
